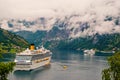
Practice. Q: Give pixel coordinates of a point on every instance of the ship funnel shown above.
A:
(32, 47)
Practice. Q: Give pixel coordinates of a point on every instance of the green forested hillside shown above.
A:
(112, 72)
(10, 42)
(105, 42)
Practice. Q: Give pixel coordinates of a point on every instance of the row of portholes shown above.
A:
(40, 60)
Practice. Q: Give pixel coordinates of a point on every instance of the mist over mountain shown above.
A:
(100, 17)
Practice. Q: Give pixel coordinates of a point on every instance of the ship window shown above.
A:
(39, 60)
(23, 57)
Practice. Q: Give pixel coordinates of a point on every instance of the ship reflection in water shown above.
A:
(66, 65)
(29, 75)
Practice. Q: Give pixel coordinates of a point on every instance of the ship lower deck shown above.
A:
(34, 64)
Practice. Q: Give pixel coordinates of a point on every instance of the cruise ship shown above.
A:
(32, 58)
(89, 52)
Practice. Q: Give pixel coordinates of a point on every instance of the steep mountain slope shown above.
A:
(105, 42)
(10, 42)
(67, 27)
(33, 37)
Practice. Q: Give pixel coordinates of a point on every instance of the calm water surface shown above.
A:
(79, 67)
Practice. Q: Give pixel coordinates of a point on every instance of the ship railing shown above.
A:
(23, 66)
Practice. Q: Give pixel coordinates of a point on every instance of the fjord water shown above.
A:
(78, 67)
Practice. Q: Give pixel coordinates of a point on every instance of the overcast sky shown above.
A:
(27, 8)
(35, 8)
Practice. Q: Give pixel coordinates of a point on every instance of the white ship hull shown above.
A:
(33, 66)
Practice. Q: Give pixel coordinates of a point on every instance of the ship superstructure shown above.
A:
(32, 58)
(89, 52)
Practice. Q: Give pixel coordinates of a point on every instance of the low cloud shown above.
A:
(99, 14)
(35, 8)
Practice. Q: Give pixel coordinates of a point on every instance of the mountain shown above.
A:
(33, 37)
(105, 42)
(10, 42)
(97, 24)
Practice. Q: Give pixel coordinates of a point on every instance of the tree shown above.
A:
(113, 71)
(5, 69)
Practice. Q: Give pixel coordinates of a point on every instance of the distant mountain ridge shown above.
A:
(107, 42)
(10, 43)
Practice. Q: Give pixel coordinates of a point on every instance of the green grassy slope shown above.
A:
(11, 43)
